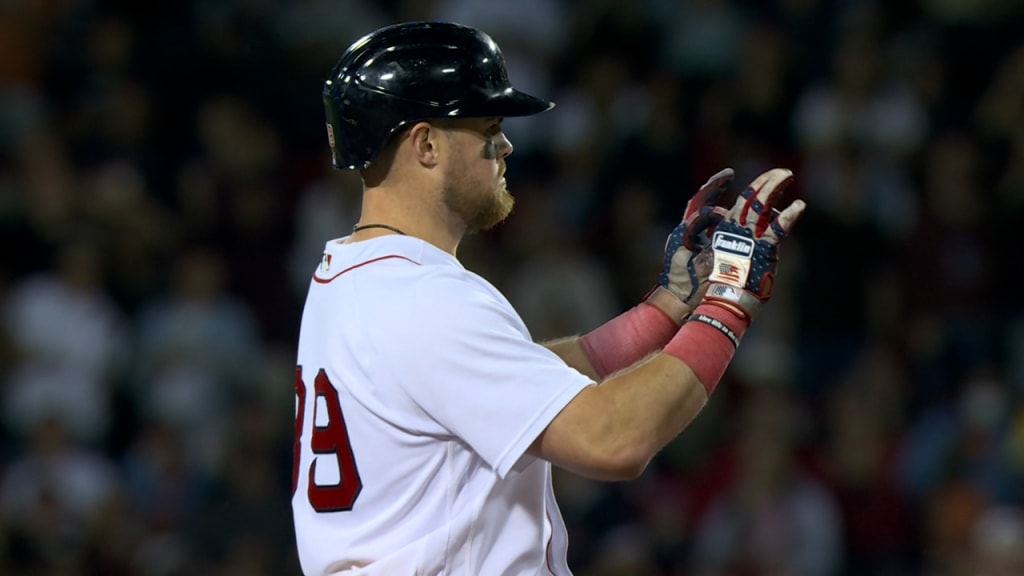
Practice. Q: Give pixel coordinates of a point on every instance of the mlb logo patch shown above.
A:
(725, 292)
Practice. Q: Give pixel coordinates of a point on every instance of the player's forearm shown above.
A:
(611, 431)
(570, 351)
(642, 427)
(673, 385)
(633, 335)
(651, 404)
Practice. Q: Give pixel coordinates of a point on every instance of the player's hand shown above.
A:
(687, 264)
(745, 244)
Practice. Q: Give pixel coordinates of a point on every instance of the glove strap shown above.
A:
(737, 300)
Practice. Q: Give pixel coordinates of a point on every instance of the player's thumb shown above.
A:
(783, 223)
(791, 214)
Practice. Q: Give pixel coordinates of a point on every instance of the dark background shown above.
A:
(165, 191)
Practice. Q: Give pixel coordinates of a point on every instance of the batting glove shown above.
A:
(745, 245)
(687, 264)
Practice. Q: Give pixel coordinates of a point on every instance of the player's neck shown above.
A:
(393, 212)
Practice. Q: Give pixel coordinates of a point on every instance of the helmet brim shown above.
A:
(508, 103)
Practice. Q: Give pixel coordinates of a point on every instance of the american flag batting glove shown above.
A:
(687, 264)
(745, 245)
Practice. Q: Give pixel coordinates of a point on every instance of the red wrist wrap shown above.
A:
(705, 348)
(625, 339)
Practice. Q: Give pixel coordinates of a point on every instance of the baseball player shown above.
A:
(427, 419)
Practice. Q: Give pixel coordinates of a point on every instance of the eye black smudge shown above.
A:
(490, 150)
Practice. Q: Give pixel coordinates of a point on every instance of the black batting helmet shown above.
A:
(415, 71)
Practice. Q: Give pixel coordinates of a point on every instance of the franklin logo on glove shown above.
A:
(732, 243)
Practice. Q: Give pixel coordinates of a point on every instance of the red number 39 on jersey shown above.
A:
(329, 443)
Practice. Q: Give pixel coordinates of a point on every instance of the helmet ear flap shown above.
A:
(415, 71)
(347, 151)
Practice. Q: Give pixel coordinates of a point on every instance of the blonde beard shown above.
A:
(500, 210)
(478, 211)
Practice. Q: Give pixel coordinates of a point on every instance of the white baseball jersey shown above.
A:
(419, 390)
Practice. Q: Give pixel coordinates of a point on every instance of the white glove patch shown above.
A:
(733, 254)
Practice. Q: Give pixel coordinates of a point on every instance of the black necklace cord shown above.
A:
(359, 227)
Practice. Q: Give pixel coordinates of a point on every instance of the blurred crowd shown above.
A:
(165, 192)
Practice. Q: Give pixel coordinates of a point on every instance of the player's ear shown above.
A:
(425, 141)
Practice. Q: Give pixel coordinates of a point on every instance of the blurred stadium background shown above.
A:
(165, 191)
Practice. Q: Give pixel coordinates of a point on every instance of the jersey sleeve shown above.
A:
(468, 362)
